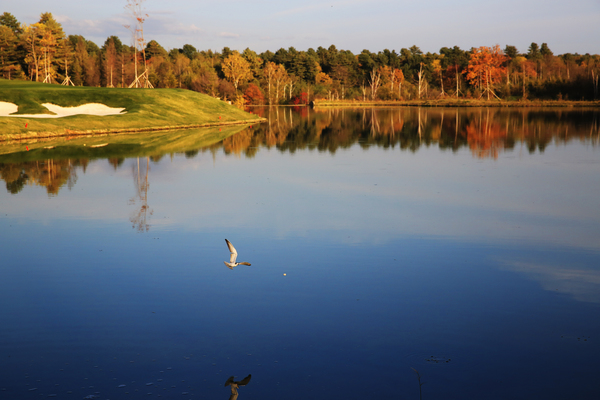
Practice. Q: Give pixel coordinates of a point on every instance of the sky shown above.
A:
(566, 26)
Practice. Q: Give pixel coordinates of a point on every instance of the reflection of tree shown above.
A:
(237, 143)
(486, 132)
(485, 137)
(51, 174)
(116, 162)
(140, 217)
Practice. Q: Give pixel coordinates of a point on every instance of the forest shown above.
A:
(41, 52)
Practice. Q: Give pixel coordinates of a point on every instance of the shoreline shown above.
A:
(457, 103)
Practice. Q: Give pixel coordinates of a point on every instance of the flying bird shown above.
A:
(235, 385)
(233, 257)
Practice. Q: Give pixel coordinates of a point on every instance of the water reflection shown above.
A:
(49, 173)
(139, 218)
(580, 282)
(393, 259)
(235, 384)
(487, 132)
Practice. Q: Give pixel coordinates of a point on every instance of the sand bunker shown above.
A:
(6, 109)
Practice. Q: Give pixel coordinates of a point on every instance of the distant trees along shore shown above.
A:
(42, 52)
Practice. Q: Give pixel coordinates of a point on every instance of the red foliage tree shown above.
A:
(253, 95)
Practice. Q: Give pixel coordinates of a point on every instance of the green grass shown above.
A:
(146, 109)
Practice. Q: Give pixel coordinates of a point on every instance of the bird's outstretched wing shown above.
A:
(244, 263)
(232, 250)
(244, 381)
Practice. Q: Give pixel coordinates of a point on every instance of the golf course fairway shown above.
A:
(137, 110)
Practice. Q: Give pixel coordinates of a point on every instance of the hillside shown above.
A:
(145, 110)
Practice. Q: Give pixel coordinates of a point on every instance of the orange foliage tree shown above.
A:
(486, 67)
(253, 95)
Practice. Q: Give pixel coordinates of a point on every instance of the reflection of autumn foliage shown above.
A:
(238, 143)
(51, 174)
(485, 137)
(487, 132)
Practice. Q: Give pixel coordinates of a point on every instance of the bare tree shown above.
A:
(375, 83)
(421, 80)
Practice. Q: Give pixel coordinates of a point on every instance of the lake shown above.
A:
(454, 248)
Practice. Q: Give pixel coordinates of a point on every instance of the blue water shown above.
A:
(481, 274)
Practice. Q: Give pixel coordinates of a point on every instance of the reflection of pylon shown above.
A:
(142, 81)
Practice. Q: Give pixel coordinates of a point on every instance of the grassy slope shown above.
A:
(146, 109)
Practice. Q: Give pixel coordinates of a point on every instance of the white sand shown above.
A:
(6, 109)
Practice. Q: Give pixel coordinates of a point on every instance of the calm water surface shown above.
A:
(463, 244)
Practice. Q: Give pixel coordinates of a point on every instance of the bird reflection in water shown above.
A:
(232, 263)
(235, 384)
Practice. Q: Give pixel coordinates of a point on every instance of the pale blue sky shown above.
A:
(354, 25)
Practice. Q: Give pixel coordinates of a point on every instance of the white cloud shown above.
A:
(229, 35)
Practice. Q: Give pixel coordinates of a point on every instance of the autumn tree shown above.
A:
(268, 74)
(397, 76)
(111, 61)
(455, 61)
(236, 69)
(253, 95)
(10, 29)
(374, 82)
(280, 78)
(31, 41)
(204, 77)
(325, 81)
(527, 70)
(437, 68)
(181, 63)
(486, 67)
(8, 51)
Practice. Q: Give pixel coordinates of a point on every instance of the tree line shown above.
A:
(41, 52)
